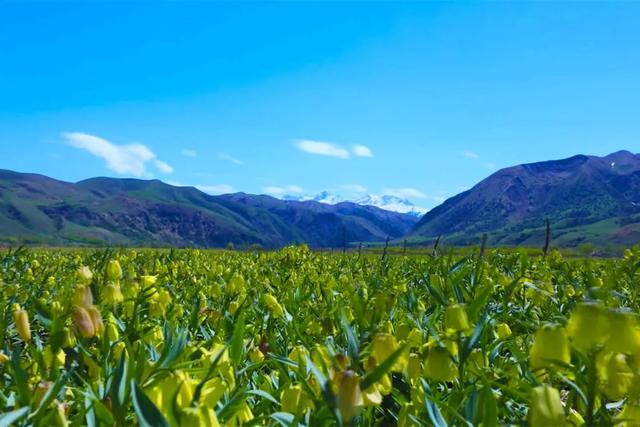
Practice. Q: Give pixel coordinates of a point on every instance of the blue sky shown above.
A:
(413, 99)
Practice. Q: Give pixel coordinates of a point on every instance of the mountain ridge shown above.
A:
(386, 202)
(101, 211)
(586, 198)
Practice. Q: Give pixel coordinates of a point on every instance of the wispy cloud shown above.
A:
(216, 188)
(355, 188)
(362, 151)
(322, 148)
(281, 191)
(230, 158)
(187, 152)
(470, 154)
(490, 165)
(163, 166)
(407, 192)
(130, 159)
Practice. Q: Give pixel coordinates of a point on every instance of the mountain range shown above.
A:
(386, 202)
(100, 211)
(587, 199)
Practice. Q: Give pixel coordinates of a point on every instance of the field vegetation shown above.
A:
(294, 337)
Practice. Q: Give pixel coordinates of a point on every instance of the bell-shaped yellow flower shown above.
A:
(21, 318)
(618, 377)
(587, 326)
(84, 276)
(439, 366)
(82, 296)
(83, 322)
(546, 408)
(383, 346)
(242, 415)
(212, 391)
(371, 396)
(114, 271)
(148, 281)
(255, 355)
(477, 361)
(349, 396)
(294, 400)
(624, 334)
(236, 285)
(48, 357)
(550, 344)
(629, 416)
(96, 319)
(456, 319)
(299, 355)
(201, 416)
(414, 366)
(273, 305)
(503, 331)
(111, 293)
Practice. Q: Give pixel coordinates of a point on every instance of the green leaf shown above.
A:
(263, 394)
(380, 370)
(488, 408)
(174, 343)
(97, 412)
(285, 419)
(353, 347)
(119, 390)
(432, 409)
(237, 341)
(148, 414)
(212, 367)
(8, 418)
(283, 360)
(470, 343)
(21, 379)
(230, 407)
(51, 394)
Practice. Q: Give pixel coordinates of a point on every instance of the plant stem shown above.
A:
(593, 383)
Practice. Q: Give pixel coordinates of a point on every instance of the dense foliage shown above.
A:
(294, 337)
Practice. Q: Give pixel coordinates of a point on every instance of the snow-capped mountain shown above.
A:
(386, 202)
(328, 198)
(391, 203)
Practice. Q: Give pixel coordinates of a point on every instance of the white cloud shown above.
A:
(490, 165)
(322, 148)
(362, 151)
(229, 158)
(407, 192)
(470, 154)
(356, 188)
(272, 189)
(216, 188)
(281, 191)
(163, 167)
(187, 152)
(130, 159)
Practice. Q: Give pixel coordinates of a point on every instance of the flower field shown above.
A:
(293, 337)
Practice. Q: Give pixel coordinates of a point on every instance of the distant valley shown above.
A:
(587, 199)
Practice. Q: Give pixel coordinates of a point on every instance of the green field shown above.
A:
(294, 337)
